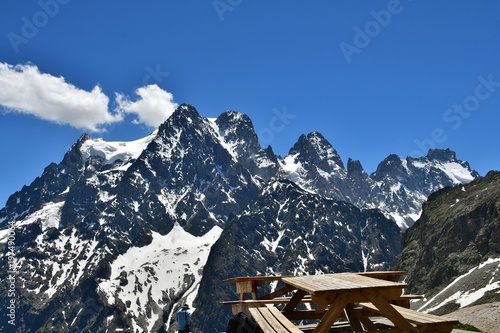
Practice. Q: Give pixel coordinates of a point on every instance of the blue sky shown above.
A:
(374, 77)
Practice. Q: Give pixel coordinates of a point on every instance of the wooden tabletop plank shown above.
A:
(328, 283)
(278, 293)
(253, 278)
(279, 277)
(382, 273)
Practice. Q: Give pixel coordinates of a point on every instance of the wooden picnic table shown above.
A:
(340, 292)
(250, 284)
(354, 296)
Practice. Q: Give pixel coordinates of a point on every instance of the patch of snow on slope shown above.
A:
(4, 235)
(464, 297)
(110, 152)
(49, 215)
(365, 259)
(273, 245)
(292, 168)
(70, 263)
(457, 173)
(420, 165)
(230, 147)
(400, 221)
(168, 268)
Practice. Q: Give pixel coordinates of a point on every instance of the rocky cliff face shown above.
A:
(452, 253)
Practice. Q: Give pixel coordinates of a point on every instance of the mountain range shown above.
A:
(118, 234)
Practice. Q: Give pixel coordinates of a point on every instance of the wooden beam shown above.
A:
(367, 323)
(352, 317)
(387, 310)
(295, 300)
(323, 301)
(333, 313)
(384, 275)
(279, 292)
(385, 330)
(253, 278)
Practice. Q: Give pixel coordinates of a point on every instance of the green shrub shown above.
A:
(466, 327)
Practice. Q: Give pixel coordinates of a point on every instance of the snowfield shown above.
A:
(149, 278)
(111, 152)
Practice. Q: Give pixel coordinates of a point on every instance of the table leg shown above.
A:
(368, 324)
(294, 301)
(353, 318)
(333, 313)
(387, 310)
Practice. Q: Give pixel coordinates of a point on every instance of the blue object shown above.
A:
(183, 319)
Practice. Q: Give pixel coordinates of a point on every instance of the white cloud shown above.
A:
(24, 89)
(153, 108)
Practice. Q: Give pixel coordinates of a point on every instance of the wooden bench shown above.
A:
(404, 300)
(271, 320)
(244, 305)
(425, 322)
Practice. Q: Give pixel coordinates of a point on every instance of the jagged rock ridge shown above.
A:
(398, 187)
